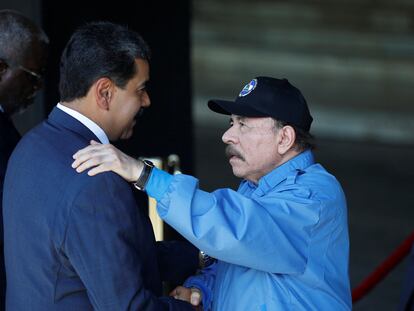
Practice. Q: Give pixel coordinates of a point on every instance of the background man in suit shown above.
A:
(23, 49)
(73, 242)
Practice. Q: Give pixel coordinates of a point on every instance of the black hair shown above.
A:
(17, 32)
(303, 141)
(96, 50)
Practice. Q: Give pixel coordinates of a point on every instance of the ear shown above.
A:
(3, 68)
(286, 139)
(103, 89)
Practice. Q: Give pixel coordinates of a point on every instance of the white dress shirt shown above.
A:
(99, 132)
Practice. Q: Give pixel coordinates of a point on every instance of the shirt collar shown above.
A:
(299, 163)
(99, 132)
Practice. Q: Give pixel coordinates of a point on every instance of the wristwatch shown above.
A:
(145, 174)
(204, 260)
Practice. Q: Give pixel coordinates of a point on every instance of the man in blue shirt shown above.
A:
(281, 240)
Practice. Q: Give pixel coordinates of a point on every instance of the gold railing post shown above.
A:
(172, 165)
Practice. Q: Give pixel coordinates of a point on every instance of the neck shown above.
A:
(83, 107)
(289, 155)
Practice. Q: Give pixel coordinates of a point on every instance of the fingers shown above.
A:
(102, 159)
(176, 292)
(86, 160)
(92, 155)
(89, 149)
(87, 163)
(195, 297)
(192, 295)
(105, 157)
(181, 293)
(105, 167)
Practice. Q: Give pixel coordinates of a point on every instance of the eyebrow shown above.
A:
(238, 118)
(143, 85)
(145, 82)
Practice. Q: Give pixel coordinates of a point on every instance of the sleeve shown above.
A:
(103, 244)
(177, 260)
(270, 233)
(204, 281)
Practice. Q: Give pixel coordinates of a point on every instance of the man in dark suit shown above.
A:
(23, 49)
(73, 242)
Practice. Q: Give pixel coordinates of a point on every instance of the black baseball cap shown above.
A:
(268, 97)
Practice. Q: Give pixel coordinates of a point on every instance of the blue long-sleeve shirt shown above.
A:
(281, 244)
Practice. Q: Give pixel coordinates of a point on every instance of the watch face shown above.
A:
(137, 186)
(148, 162)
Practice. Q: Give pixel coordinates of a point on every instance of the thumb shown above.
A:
(93, 142)
(195, 296)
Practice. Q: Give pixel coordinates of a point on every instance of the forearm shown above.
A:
(228, 225)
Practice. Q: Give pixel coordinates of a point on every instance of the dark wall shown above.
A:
(166, 126)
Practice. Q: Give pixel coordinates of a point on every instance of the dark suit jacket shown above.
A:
(407, 296)
(9, 137)
(74, 242)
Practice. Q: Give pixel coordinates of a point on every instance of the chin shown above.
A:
(126, 136)
(237, 173)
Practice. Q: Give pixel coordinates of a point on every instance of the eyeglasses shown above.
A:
(34, 74)
(36, 78)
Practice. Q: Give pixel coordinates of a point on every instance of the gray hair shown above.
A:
(16, 34)
(304, 140)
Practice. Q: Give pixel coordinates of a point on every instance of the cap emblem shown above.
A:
(248, 88)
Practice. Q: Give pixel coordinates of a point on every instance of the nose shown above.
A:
(229, 136)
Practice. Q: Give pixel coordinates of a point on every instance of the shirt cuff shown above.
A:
(158, 183)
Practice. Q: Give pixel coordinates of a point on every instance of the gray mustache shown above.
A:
(231, 151)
